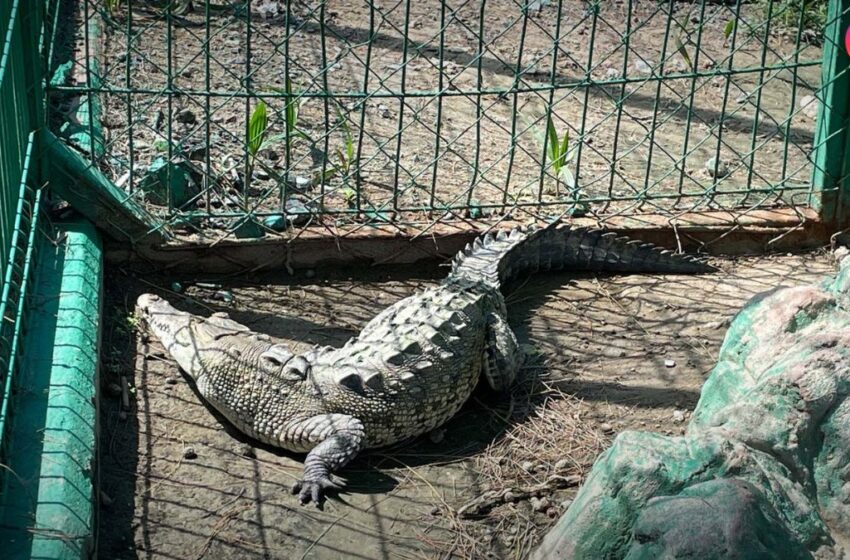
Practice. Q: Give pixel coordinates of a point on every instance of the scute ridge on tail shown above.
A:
(497, 258)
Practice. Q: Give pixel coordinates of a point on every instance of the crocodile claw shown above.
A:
(314, 490)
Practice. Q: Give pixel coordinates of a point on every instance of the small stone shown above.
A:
(247, 451)
(642, 67)
(527, 466)
(435, 511)
(297, 212)
(186, 116)
(223, 295)
(275, 222)
(437, 436)
(270, 154)
(261, 174)
(176, 287)
(810, 105)
(606, 427)
(539, 504)
(171, 380)
(678, 416)
(189, 453)
(384, 111)
(669, 363)
(303, 183)
(716, 169)
(509, 496)
(552, 513)
(114, 389)
(840, 253)
(612, 73)
(562, 464)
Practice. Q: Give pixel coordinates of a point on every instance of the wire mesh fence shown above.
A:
(251, 116)
(27, 32)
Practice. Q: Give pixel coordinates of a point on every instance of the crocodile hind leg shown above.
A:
(502, 355)
(340, 437)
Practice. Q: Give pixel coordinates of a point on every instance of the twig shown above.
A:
(488, 500)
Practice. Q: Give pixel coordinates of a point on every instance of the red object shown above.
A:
(847, 41)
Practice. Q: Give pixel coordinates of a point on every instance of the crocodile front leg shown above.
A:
(340, 437)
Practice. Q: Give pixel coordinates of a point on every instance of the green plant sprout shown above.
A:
(258, 124)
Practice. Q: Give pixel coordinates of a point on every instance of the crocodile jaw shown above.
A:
(176, 330)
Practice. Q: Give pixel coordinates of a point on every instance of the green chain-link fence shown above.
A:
(27, 32)
(225, 115)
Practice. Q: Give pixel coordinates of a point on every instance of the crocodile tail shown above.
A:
(499, 258)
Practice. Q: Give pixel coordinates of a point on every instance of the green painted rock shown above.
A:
(766, 452)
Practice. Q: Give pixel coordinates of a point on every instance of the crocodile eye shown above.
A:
(297, 368)
(277, 356)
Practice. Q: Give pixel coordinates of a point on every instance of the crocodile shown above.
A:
(409, 370)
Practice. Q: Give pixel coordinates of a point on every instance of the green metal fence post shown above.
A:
(830, 190)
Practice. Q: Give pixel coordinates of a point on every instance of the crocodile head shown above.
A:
(217, 344)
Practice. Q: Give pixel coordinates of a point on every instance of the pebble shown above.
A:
(678, 416)
(177, 286)
(527, 466)
(809, 104)
(223, 295)
(186, 116)
(606, 427)
(509, 496)
(435, 511)
(246, 451)
(171, 380)
(721, 167)
(189, 453)
(384, 111)
(642, 67)
(552, 513)
(437, 436)
(539, 504)
(114, 389)
(562, 464)
(669, 363)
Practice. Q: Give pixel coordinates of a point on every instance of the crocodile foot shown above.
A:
(314, 489)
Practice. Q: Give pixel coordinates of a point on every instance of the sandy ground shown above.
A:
(607, 353)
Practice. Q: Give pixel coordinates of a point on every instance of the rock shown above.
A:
(186, 116)
(678, 416)
(761, 470)
(606, 428)
(562, 464)
(171, 380)
(114, 389)
(246, 451)
(275, 222)
(435, 511)
(527, 466)
(669, 363)
(303, 183)
(176, 287)
(437, 436)
(189, 453)
(642, 67)
(612, 73)
(384, 111)
(810, 106)
(223, 295)
(297, 212)
(539, 504)
(840, 254)
(716, 169)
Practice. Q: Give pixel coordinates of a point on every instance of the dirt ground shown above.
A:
(607, 353)
(632, 137)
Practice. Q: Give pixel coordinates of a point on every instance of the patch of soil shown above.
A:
(606, 354)
(634, 135)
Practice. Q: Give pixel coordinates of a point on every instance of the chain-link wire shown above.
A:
(247, 117)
